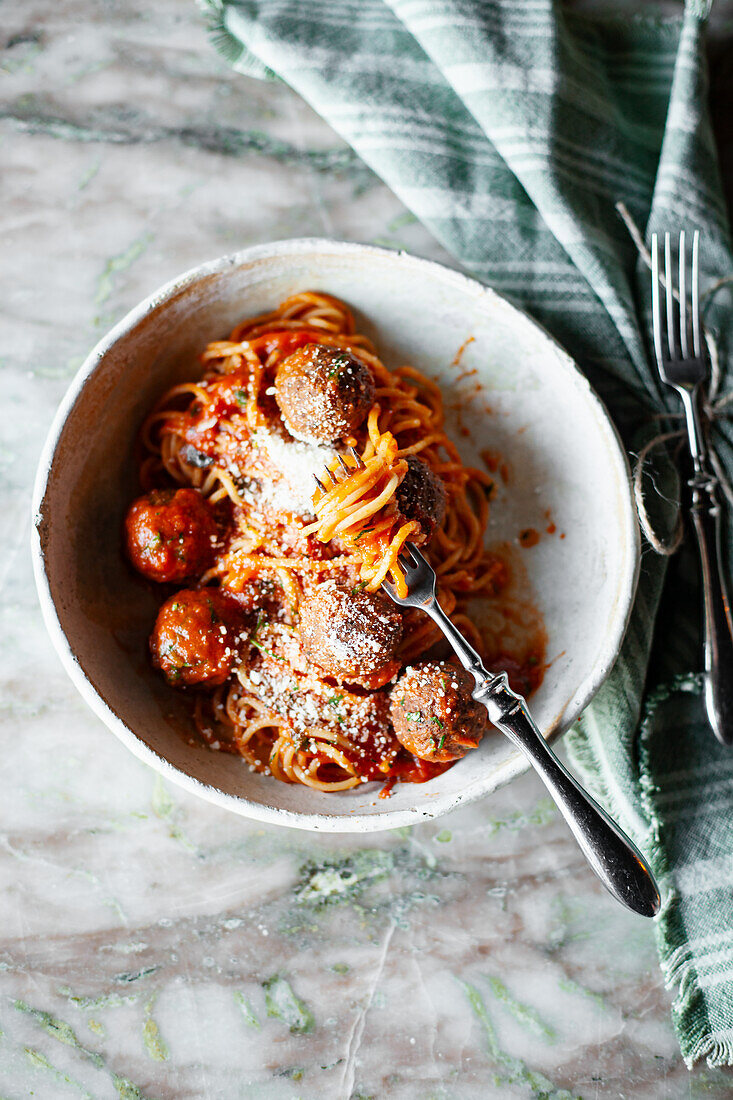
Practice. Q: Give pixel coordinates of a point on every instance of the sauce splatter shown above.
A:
(467, 374)
(551, 528)
(459, 354)
(494, 462)
(467, 397)
(529, 537)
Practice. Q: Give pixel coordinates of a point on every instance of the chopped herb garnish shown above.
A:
(440, 743)
(362, 533)
(358, 588)
(339, 362)
(154, 541)
(262, 649)
(438, 722)
(334, 700)
(175, 673)
(257, 644)
(414, 715)
(241, 398)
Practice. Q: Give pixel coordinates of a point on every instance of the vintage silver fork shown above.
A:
(682, 365)
(618, 863)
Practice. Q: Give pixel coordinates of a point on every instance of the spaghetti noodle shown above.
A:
(281, 539)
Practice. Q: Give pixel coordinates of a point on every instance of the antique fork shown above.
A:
(682, 365)
(618, 863)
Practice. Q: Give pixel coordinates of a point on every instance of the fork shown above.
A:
(682, 365)
(615, 859)
(618, 863)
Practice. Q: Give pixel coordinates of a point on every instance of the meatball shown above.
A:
(421, 496)
(349, 633)
(324, 393)
(170, 534)
(196, 637)
(433, 713)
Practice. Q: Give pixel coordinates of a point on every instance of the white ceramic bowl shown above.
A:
(563, 451)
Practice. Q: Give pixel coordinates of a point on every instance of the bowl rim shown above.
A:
(514, 765)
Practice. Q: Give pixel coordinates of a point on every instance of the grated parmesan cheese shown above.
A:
(297, 462)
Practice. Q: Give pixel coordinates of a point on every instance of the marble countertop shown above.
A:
(150, 944)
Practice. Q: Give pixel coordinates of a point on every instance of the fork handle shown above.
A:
(705, 511)
(618, 863)
(615, 859)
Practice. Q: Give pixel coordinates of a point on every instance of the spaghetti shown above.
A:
(280, 540)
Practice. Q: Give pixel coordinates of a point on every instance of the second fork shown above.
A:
(682, 365)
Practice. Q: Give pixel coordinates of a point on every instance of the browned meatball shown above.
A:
(433, 713)
(421, 496)
(324, 393)
(170, 534)
(196, 637)
(349, 633)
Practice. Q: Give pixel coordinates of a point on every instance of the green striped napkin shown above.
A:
(512, 128)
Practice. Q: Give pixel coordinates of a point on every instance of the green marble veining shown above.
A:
(30, 115)
(247, 1010)
(63, 1033)
(115, 265)
(511, 1070)
(89, 173)
(525, 1014)
(40, 1061)
(282, 1003)
(154, 1043)
(20, 53)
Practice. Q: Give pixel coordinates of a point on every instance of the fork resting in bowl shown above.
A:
(618, 863)
(615, 859)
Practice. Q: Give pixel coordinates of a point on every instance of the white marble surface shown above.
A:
(150, 945)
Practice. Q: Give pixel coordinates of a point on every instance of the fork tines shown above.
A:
(329, 476)
(682, 319)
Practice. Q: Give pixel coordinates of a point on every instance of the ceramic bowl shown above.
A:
(545, 421)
